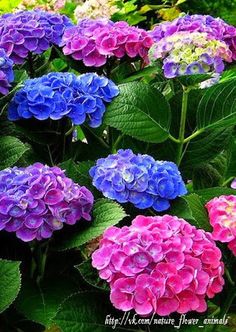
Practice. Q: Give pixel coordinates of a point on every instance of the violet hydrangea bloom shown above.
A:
(233, 184)
(55, 95)
(6, 72)
(222, 215)
(215, 27)
(138, 179)
(187, 53)
(30, 31)
(94, 41)
(37, 200)
(159, 265)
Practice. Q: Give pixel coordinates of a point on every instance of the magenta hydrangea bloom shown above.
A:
(30, 31)
(215, 27)
(37, 200)
(159, 265)
(222, 214)
(94, 41)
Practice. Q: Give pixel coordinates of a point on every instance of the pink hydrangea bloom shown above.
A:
(159, 265)
(222, 214)
(93, 41)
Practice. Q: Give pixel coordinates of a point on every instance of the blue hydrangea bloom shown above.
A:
(138, 179)
(55, 95)
(6, 72)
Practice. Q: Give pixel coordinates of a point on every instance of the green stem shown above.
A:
(42, 262)
(50, 155)
(70, 131)
(31, 65)
(172, 138)
(189, 138)
(227, 181)
(215, 313)
(228, 302)
(115, 145)
(230, 280)
(182, 124)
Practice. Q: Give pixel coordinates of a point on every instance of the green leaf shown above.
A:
(41, 304)
(140, 111)
(58, 65)
(206, 176)
(217, 107)
(10, 282)
(90, 275)
(106, 213)
(148, 71)
(181, 209)
(231, 162)
(209, 193)
(86, 312)
(79, 172)
(206, 147)
(192, 80)
(198, 211)
(11, 150)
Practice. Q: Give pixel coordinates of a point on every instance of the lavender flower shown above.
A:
(30, 31)
(6, 72)
(187, 53)
(138, 179)
(37, 200)
(214, 27)
(56, 95)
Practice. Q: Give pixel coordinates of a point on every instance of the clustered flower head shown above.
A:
(37, 200)
(214, 27)
(56, 95)
(94, 41)
(96, 9)
(222, 215)
(6, 72)
(33, 31)
(159, 265)
(187, 53)
(233, 184)
(138, 179)
(50, 5)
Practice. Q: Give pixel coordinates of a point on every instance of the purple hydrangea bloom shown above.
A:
(93, 41)
(37, 200)
(30, 31)
(56, 95)
(6, 72)
(215, 27)
(233, 184)
(138, 179)
(189, 53)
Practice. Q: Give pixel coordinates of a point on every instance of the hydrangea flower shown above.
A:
(51, 5)
(214, 27)
(159, 265)
(138, 179)
(222, 215)
(37, 200)
(94, 41)
(56, 95)
(6, 72)
(30, 31)
(233, 184)
(96, 8)
(187, 53)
